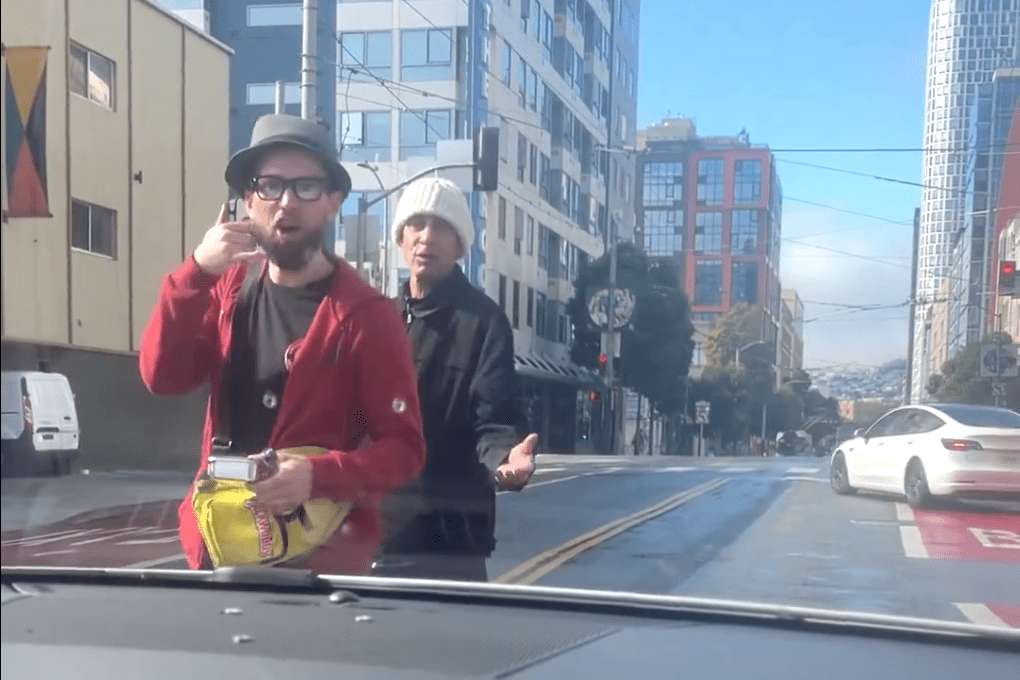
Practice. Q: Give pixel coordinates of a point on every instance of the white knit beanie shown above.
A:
(440, 198)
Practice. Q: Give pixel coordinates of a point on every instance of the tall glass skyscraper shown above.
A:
(967, 41)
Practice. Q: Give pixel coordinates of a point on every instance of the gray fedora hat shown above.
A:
(277, 130)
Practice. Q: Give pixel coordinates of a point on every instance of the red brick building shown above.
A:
(712, 206)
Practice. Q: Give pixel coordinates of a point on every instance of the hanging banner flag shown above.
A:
(25, 118)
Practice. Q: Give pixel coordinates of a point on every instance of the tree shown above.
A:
(657, 345)
(739, 326)
(960, 381)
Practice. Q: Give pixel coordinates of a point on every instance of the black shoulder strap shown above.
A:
(243, 307)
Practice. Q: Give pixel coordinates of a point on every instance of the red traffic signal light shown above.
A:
(603, 362)
(593, 395)
(1007, 277)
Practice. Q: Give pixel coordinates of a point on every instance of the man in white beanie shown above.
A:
(443, 525)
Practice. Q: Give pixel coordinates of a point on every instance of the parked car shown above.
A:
(933, 451)
(40, 424)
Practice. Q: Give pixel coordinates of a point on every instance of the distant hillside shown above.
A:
(887, 381)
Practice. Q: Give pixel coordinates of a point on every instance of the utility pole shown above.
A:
(281, 97)
(610, 238)
(309, 27)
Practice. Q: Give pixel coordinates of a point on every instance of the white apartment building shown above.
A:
(967, 41)
(415, 79)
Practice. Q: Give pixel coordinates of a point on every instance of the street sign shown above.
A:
(998, 361)
(701, 410)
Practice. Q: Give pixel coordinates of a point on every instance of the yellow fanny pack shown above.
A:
(239, 531)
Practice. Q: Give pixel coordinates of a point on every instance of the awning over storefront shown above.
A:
(545, 368)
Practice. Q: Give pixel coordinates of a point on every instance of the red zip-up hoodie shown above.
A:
(352, 375)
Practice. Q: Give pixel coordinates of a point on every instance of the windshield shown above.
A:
(981, 417)
(579, 293)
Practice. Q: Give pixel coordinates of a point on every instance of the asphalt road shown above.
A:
(759, 529)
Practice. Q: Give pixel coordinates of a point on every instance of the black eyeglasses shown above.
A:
(272, 188)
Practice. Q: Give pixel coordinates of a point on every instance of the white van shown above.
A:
(40, 424)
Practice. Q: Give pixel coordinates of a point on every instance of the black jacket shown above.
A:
(472, 413)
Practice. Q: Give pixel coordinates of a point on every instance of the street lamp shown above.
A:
(765, 402)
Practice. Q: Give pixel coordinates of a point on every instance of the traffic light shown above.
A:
(486, 158)
(603, 362)
(593, 395)
(1007, 278)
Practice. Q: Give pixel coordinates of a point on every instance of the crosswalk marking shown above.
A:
(802, 471)
(736, 470)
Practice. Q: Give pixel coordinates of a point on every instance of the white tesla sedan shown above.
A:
(930, 451)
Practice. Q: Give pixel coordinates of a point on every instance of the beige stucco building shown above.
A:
(791, 333)
(120, 154)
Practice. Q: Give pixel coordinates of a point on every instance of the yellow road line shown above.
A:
(538, 566)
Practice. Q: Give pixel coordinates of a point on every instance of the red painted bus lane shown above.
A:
(112, 537)
(1010, 615)
(972, 536)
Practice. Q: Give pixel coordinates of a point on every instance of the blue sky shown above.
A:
(808, 74)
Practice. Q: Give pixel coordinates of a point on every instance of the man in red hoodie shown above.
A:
(309, 355)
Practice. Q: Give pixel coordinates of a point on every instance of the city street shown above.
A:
(759, 529)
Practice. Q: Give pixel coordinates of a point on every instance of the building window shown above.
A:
(93, 229)
(663, 231)
(502, 292)
(744, 232)
(744, 283)
(747, 181)
(532, 89)
(543, 247)
(508, 64)
(710, 181)
(541, 316)
(531, 235)
(544, 172)
(275, 15)
(367, 56)
(663, 184)
(533, 165)
(522, 156)
(708, 232)
(518, 230)
(530, 317)
(365, 135)
(420, 130)
(547, 36)
(515, 311)
(554, 255)
(264, 94)
(426, 55)
(522, 82)
(708, 283)
(501, 225)
(92, 76)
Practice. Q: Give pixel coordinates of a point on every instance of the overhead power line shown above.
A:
(878, 177)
